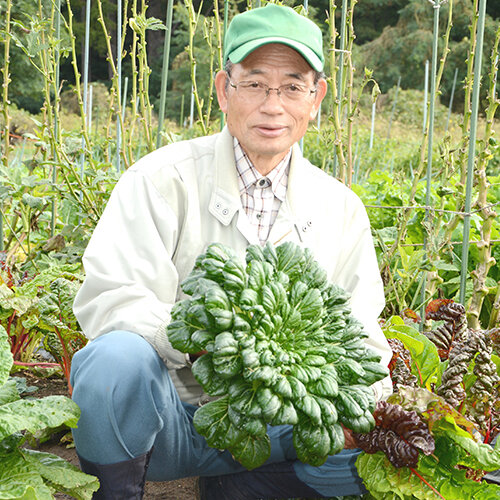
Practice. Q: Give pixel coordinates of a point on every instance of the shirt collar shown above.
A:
(249, 176)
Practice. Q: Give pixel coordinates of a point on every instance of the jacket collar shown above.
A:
(225, 199)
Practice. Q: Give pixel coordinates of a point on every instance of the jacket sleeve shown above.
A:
(358, 271)
(131, 282)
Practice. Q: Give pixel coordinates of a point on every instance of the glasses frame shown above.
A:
(267, 89)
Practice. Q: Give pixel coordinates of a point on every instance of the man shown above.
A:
(249, 184)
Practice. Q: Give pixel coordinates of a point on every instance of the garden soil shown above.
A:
(182, 489)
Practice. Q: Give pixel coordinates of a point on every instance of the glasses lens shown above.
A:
(294, 92)
(257, 91)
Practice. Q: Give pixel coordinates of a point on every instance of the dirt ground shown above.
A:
(182, 489)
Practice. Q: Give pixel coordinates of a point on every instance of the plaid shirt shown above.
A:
(261, 196)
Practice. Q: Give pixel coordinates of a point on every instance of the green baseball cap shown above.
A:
(273, 24)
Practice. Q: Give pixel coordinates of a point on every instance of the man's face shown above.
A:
(266, 128)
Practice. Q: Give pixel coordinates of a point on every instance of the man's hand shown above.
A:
(350, 442)
(195, 356)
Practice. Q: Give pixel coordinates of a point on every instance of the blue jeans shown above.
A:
(129, 404)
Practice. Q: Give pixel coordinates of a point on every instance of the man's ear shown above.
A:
(221, 88)
(321, 88)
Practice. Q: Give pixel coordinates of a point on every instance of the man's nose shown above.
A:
(272, 101)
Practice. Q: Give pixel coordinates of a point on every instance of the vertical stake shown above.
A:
(472, 147)
(393, 110)
(119, 70)
(164, 74)
(451, 99)
(53, 215)
(426, 91)
(85, 77)
(436, 4)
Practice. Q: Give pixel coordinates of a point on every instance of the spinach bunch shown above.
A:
(281, 348)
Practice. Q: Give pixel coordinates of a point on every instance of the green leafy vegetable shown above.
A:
(281, 348)
(27, 473)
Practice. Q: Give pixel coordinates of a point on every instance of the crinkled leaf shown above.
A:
(433, 407)
(9, 392)
(61, 474)
(38, 414)
(6, 360)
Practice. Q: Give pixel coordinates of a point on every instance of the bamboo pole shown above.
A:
(164, 73)
(472, 147)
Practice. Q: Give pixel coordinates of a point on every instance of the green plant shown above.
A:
(27, 473)
(37, 310)
(455, 393)
(280, 348)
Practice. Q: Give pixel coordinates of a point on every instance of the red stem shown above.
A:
(66, 361)
(427, 483)
(35, 364)
(419, 374)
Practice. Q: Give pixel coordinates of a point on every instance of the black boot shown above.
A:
(269, 481)
(121, 480)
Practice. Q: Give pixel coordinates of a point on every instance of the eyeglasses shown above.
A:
(257, 91)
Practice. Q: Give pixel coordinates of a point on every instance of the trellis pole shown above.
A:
(164, 74)
(372, 128)
(224, 29)
(86, 53)
(340, 84)
(119, 73)
(393, 110)
(472, 147)
(426, 91)
(450, 106)
(53, 210)
(436, 4)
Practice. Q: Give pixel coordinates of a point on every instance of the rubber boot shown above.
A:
(269, 481)
(121, 480)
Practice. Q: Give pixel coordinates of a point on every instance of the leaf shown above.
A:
(28, 474)
(64, 476)
(204, 373)
(252, 452)
(425, 358)
(434, 408)
(6, 360)
(212, 421)
(38, 414)
(9, 392)
(485, 457)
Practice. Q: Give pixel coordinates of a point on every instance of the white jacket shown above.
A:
(172, 203)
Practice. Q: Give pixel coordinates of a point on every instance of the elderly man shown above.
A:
(249, 184)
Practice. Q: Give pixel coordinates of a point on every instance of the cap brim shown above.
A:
(244, 50)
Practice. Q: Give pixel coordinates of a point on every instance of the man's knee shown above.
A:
(112, 357)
